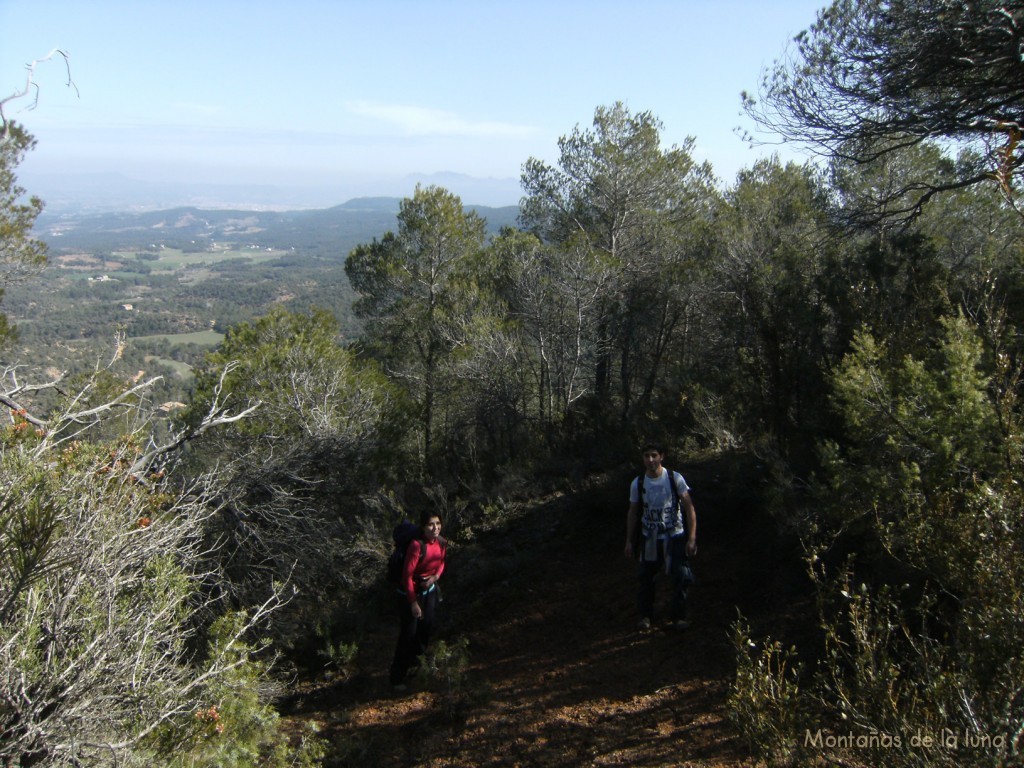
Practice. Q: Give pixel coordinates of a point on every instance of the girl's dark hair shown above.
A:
(425, 518)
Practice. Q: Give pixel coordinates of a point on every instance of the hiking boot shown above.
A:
(679, 624)
(644, 624)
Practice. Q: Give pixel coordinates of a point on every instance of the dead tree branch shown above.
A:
(32, 87)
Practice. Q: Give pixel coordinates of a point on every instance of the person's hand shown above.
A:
(629, 550)
(691, 548)
(417, 612)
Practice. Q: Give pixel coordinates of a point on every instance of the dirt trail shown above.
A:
(558, 674)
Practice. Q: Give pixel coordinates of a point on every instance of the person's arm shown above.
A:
(632, 520)
(691, 523)
(431, 579)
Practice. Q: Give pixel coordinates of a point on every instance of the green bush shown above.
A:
(234, 726)
(921, 662)
(764, 703)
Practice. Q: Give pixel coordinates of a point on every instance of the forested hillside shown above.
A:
(172, 282)
(193, 538)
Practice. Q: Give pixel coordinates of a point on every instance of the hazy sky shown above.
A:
(319, 91)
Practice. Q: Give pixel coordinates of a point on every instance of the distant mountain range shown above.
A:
(105, 193)
(326, 232)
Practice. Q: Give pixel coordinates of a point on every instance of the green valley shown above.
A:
(171, 283)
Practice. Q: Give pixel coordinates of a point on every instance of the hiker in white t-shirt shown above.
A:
(661, 534)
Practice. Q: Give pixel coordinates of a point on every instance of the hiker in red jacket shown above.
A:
(417, 596)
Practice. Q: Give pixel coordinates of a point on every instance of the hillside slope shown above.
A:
(558, 674)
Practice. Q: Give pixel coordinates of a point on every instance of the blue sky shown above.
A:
(313, 92)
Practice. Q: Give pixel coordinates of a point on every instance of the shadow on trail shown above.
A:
(558, 675)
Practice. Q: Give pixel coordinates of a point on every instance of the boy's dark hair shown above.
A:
(653, 446)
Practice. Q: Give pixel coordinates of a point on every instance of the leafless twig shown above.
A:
(32, 87)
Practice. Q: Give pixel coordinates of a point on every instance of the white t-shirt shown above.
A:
(658, 513)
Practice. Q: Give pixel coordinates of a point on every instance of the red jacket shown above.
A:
(419, 564)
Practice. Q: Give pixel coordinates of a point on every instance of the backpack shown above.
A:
(402, 536)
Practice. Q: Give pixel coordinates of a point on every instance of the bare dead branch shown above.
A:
(217, 415)
(32, 87)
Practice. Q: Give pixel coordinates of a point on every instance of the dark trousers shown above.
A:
(679, 574)
(413, 634)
